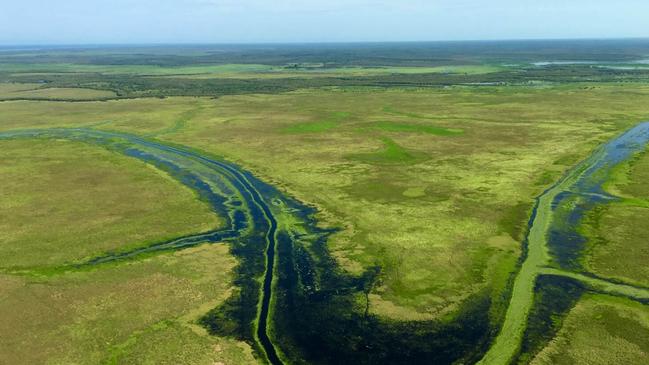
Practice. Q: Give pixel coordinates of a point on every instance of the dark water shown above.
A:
(554, 297)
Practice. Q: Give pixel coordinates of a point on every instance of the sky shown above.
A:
(260, 21)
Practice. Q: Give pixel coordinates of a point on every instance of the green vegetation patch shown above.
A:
(393, 111)
(311, 127)
(65, 202)
(618, 248)
(617, 232)
(60, 94)
(389, 126)
(139, 312)
(385, 188)
(11, 91)
(145, 70)
(317, 126)
(7, 88)
(600, 330)
(391, 153)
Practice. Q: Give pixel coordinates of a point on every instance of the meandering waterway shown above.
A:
(314, 312)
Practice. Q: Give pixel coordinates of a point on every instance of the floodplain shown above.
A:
(420, 181)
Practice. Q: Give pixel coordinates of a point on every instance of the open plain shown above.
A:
(178, 207)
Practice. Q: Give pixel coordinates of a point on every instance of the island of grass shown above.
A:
(32, 91)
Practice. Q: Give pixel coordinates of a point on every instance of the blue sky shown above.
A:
(227, 21)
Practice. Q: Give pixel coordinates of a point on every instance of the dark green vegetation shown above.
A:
(417, 164)
(230, 70)
(555, 296)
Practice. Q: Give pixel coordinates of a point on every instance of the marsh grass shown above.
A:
(600, 330)
(121, 313)
(616, 232)
(318, 126)
(390, 126)
(391, 153)
(426, 221)
(74, 201)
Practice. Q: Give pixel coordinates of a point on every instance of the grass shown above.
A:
(66, 202)
(318, 126)
(389, 126)
(7, 88)
(145, 116)
(511, 335)
(49, 68)
(617, 231)
(311, 127)
(237, 70)
(428, 222)
(391, 153)
(619, 248)
(28, 91)
(600, 330)
(432, 185)
(134, 312)
(320, 71)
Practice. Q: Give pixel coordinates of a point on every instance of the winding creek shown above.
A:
(290, 286)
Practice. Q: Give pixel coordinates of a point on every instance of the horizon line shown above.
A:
(261, 43)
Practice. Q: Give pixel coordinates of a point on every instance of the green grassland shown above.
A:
(617, 231)
(65, 202)
(12, 91)
(441, 213)
(323, 125)
(236, 70)
(391, 153)
(428, 171)
(138, 312)
(307, 72)
(147, 70)
(600, 330)
(390, 126)
(7, 88)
